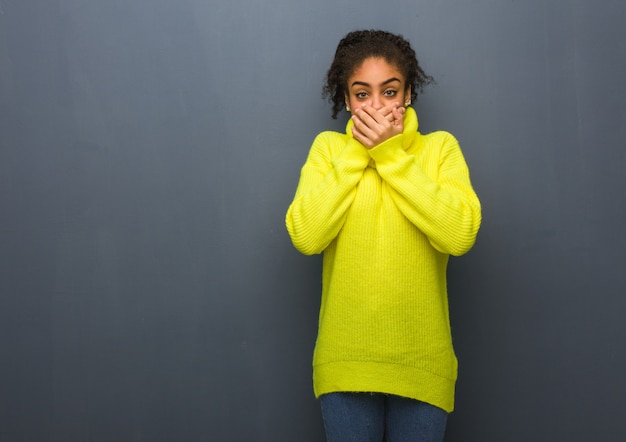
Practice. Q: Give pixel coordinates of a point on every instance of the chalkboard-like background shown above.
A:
(149, 150)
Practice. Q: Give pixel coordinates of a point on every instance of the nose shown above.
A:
(377, 103)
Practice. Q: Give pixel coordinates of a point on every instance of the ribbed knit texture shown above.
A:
(386, 220)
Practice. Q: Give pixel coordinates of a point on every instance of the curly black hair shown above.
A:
(358, 46)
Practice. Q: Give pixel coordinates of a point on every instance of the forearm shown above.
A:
(324, 195)
(450, 221)
(443, 205)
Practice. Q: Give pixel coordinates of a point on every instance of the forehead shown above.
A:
(375, 68)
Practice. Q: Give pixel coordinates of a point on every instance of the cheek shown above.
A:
(352, 103)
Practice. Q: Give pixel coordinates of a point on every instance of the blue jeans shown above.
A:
(370, 417)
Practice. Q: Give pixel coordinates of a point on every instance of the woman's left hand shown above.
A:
(374, 126)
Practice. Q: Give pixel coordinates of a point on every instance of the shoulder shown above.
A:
(329, 136)
(441, 140)
(328, 141)
(440, 136)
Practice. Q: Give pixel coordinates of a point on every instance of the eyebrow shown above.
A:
(362, 83)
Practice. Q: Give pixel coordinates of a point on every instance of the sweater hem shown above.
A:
(380, 377)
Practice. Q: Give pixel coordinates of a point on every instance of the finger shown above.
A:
(377, 115)
(398, 116)
(387, 111)
(375, 119)
(361, 138)
(395, 114)
(369, 129)
(365, 125)
(363, 120)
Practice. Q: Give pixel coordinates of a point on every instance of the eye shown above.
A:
(390, 93)
(361, 95)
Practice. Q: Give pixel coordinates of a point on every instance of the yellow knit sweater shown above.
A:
(386, 220)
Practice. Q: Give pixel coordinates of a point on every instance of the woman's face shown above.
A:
(378, 83)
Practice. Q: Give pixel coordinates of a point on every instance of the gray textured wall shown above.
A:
(150, 148)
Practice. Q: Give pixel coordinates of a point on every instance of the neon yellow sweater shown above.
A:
(386, 220)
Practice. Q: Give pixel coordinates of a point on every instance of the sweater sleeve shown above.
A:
(325, 192)
(443, 205)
